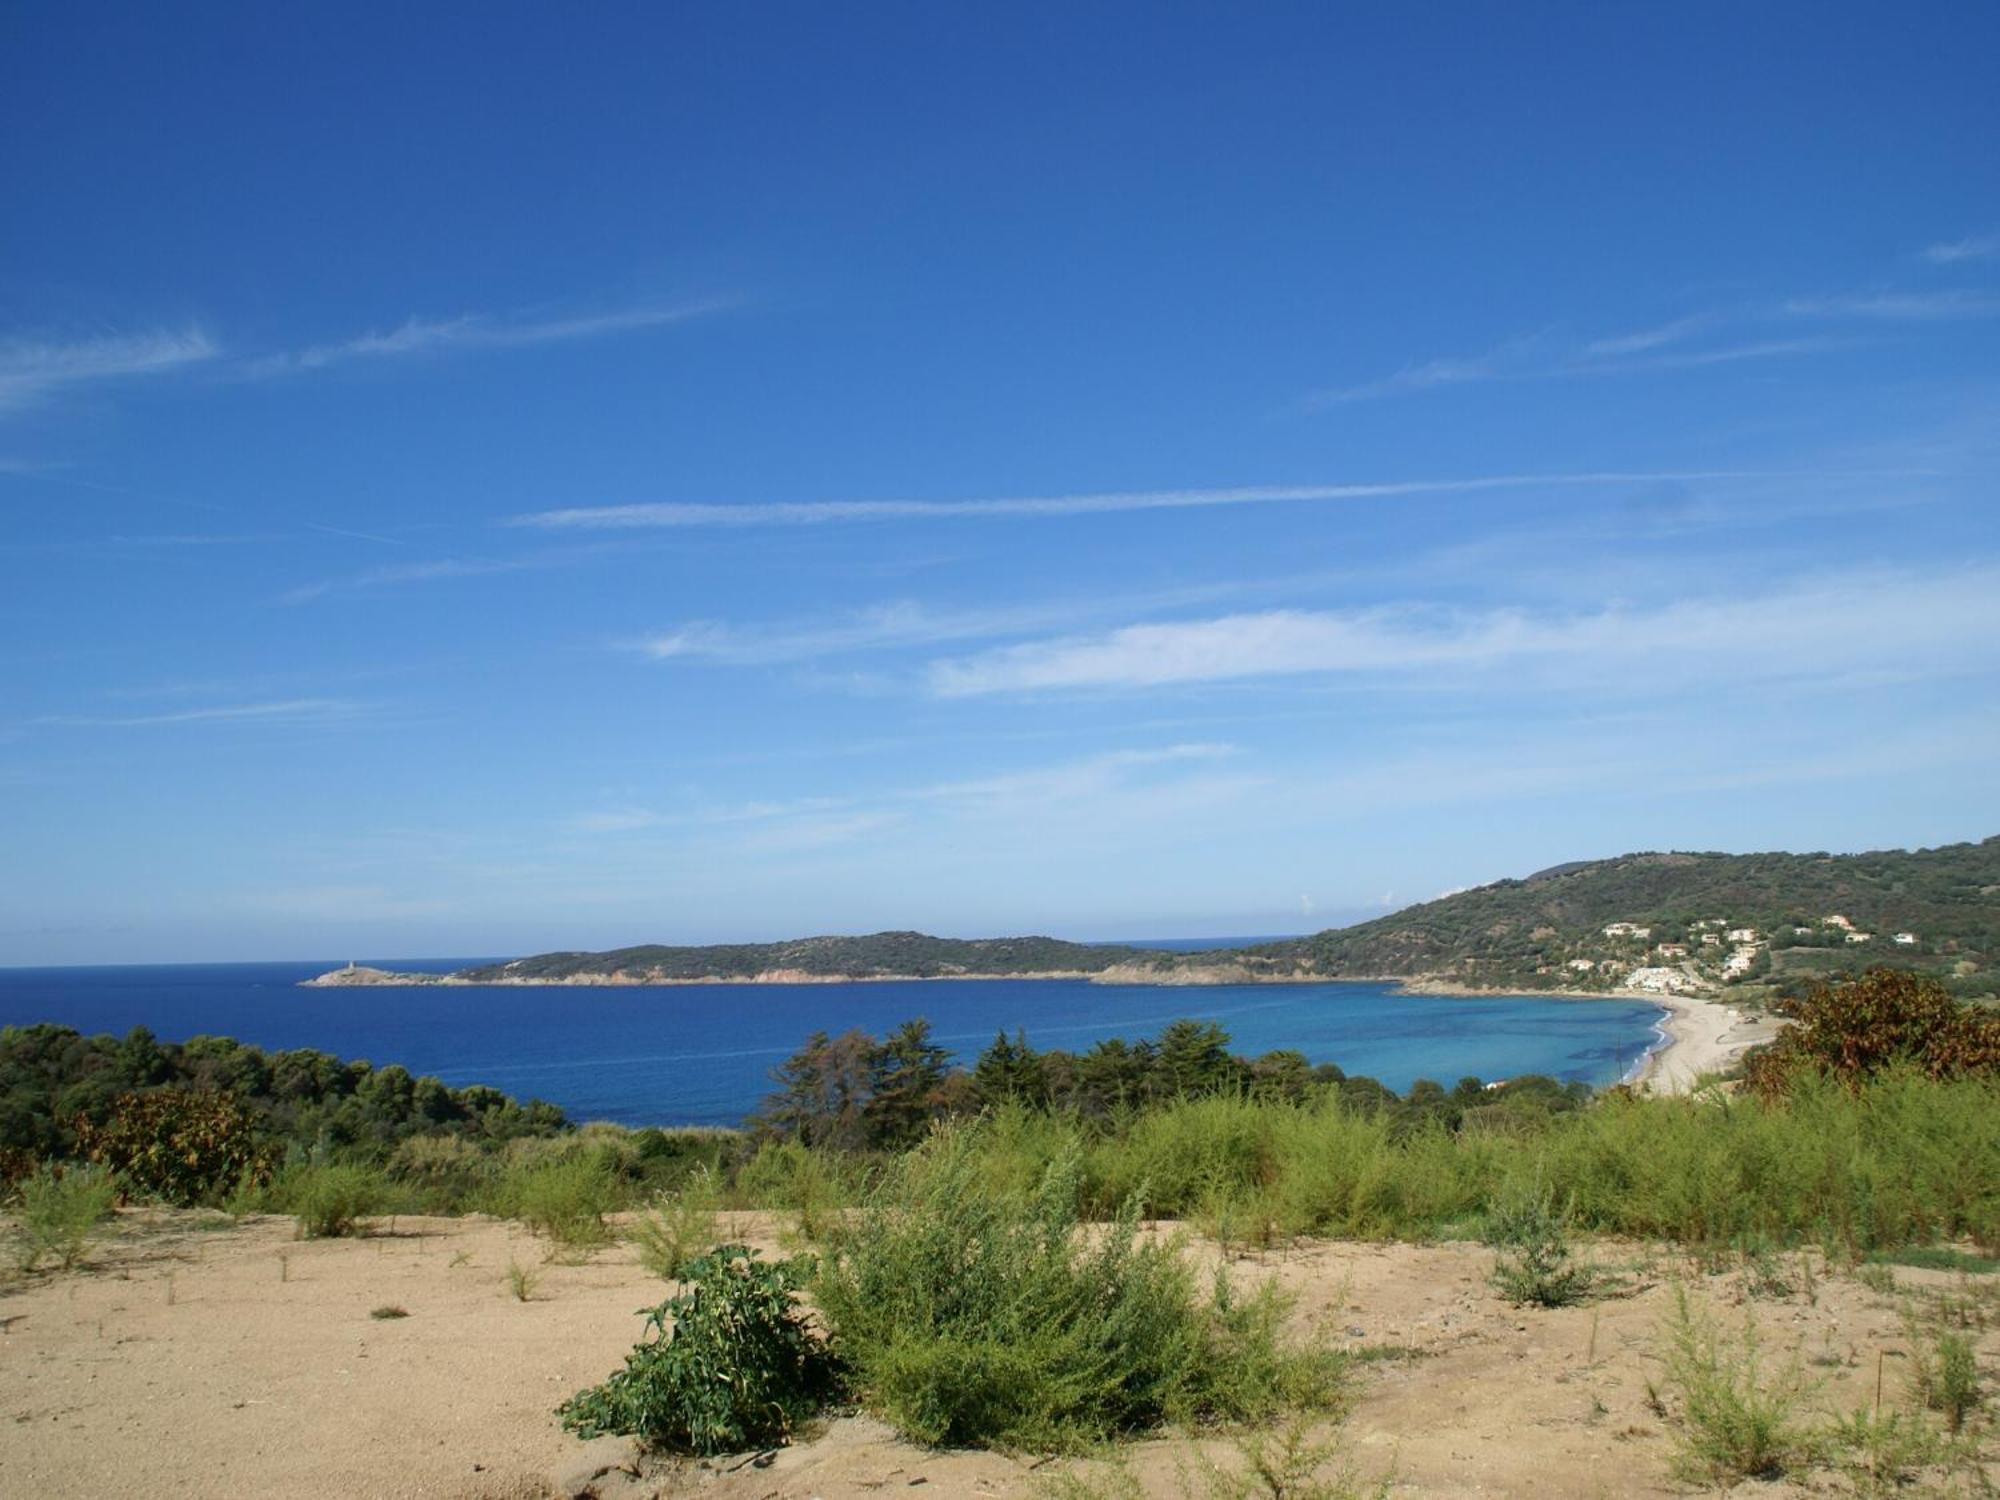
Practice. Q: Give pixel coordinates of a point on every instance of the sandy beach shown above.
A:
(1701, 1037)
(1698, 1035)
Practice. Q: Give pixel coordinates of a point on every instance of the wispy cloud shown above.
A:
(1638, 352)
(30, 370)
(905, 623)
(1899, 307)
(1835, 627)
(1729, 354)
(1649, 338)
(1411, 379)
(830, 512)
(1972, 247)
(303, 711)
(405, 573)
(1177, 770)
(1066, 781)
(473, 331)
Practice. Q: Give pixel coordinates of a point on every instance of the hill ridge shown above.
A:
(1650, 921)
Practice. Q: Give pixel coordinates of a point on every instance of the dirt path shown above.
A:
(240, 1362)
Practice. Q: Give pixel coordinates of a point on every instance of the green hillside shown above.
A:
(1807, 915)
(880, 954)
(1532, 931)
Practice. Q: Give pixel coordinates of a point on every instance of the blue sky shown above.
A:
(511, 477)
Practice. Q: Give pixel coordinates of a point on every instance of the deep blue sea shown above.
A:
(702, 1054)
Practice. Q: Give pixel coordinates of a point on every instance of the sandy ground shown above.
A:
(236, 1361)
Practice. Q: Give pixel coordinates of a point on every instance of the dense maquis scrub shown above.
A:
(854, 1092)
(52, 1079)
(1871, 1126)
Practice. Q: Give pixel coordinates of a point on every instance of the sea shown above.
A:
(703, 1054)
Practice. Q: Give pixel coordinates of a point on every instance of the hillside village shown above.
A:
(1707, 954)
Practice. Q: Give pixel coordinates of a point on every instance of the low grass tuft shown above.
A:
(522, 1281)
(679, 1228)
(1534, 1265)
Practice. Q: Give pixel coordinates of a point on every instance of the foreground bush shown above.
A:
(565, 1199)
(729, 1365)
(331, 1199)
(1534, 1265)
(971, 1314)
(58, 1210)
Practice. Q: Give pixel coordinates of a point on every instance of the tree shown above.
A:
(1194, 1059)
(1010, 1072)
(822, 1090)
(906, 1075)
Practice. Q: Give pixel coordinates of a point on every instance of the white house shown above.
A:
(1627, 929)
(1836, 920)
(1906, 940)
(1672, 950)
(1583, 965)
(1861, 937)
(1741, 934)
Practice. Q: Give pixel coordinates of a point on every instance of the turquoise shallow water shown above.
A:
(702, 1054)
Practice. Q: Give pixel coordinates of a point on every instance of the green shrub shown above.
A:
(1944, 1370)
(1880, 1452)
(679, 1228)
(817, 1187)
(444, 1173)
(990, 1316)
(565, 1199)
(1534, 1265)
(185, 1145)
(1737, 1421)
(728, 1365)
(59, 1208)
(331, 1199)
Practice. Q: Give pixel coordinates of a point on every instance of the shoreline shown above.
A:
(1695, 1036)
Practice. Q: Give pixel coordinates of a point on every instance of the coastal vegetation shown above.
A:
(146, 1107)
(1867, 1127)
(1035, 1253)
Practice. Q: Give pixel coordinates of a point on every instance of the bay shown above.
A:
(702, 1054)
